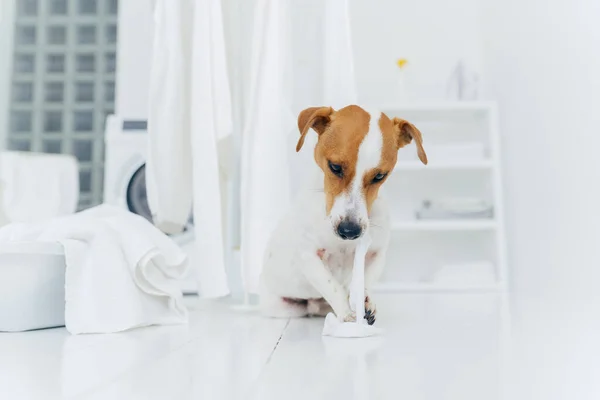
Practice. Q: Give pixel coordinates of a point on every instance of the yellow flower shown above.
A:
(401, 62)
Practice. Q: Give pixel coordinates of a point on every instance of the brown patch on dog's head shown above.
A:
(356, 150)
(338, 146)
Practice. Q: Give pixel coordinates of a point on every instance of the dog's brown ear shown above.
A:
(406, 132)
(317, 118)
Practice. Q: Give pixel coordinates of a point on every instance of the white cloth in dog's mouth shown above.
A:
(333, 326)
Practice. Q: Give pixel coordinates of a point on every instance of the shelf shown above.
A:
(443, 225)
(434, 287)
(467, 165)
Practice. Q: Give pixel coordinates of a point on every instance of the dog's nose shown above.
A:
(349, 230)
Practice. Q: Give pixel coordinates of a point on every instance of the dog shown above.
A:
(308, 262)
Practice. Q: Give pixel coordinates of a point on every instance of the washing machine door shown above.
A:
(137, 200)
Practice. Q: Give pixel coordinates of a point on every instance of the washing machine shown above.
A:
(125, 184)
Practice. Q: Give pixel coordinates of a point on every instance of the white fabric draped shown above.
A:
(190, 112)
(339, 85)
(266, 138)
(265, 182)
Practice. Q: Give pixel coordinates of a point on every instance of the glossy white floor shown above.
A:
(436, 346)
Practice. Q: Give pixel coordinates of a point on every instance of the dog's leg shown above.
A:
(323, 281)
(318, 307)
(374, 264)
(278, 307)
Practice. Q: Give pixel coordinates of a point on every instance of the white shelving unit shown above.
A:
(419, 248)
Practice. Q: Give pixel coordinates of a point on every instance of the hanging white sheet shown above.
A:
(190, 111)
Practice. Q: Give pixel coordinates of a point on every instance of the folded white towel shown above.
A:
(121, 271)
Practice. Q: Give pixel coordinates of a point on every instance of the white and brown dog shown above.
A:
(308, 262)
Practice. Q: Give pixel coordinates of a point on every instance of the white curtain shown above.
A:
(190, 115)
(265, 193)
(339, 84)
(270, 126)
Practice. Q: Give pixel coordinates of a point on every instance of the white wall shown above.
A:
(543, 62)
(432, 34)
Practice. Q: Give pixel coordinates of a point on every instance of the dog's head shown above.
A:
(357, 151)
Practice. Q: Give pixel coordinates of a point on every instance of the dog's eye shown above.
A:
(379, 177)
(336, 169)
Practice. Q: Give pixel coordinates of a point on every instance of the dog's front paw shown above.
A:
(370, 310)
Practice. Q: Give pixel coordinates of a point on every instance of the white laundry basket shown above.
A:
(32, 286)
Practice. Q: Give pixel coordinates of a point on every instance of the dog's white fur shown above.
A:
(306, 259)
